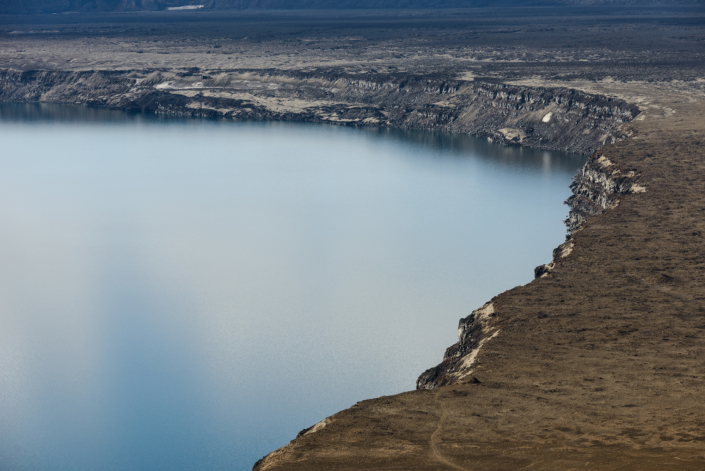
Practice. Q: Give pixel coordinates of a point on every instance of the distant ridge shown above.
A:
(65, 6)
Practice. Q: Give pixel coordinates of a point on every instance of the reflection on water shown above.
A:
(189, 294)
(462, 145)
(458, 145)
(53, 113)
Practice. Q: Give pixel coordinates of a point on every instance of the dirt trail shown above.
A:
(434, 438)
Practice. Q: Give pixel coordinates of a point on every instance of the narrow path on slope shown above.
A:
(434, 438)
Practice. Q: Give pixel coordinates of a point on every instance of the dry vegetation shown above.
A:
(598, 364)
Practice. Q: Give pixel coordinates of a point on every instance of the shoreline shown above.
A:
(543, 118)
(594, 191)
(595, 364)
(618, 182)
(480, 327)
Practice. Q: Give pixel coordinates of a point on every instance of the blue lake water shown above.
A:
(189, 294)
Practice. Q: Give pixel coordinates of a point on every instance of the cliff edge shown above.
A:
(596, 364)
(544, 118)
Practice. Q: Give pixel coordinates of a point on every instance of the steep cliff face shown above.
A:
(554, 119)
(558, 119)
(596, 188)
(474, 332)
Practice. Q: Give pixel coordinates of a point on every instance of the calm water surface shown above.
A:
(183, 294)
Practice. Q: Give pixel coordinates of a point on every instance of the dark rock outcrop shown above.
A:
(459, 359)
(553, 119)
(598, 187)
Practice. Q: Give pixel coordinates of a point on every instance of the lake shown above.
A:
(183, 294)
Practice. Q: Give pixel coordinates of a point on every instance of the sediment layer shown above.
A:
(555, 119)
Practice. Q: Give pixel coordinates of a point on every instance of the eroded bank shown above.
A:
(593, 365)
(545, 118)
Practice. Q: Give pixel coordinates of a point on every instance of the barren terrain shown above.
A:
(598, 363)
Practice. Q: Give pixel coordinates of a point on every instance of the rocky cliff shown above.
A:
(599, 361)
(596, 188)
(554, 119)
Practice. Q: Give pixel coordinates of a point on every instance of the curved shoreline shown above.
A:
(477, 366)
(551, 119)
(572, 333)
(598, 187)
(598, 363)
